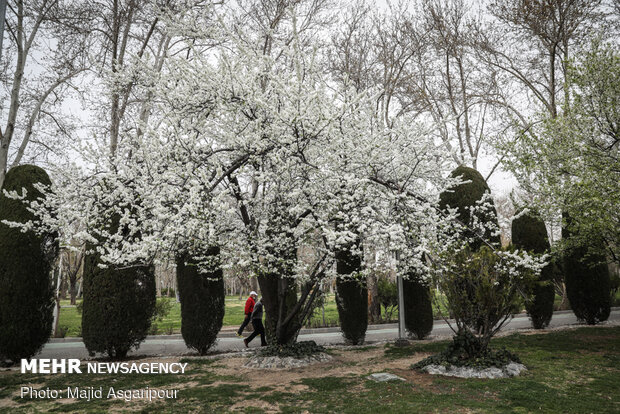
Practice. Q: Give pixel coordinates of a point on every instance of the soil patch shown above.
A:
(344, 363)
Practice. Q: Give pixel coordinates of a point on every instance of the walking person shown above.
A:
(249, 308)
(257, 323)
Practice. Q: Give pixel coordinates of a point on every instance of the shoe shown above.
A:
(245, 341)
(239, 335)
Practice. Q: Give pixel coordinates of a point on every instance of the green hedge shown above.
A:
(118, 307)
(26, 261)
(118, 304)
(529, 233)
(464, 196)
(586, 275)
(202, 301)
(418, 306)
(351, 297)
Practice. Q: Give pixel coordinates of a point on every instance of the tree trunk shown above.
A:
(4, 160)
(56, 317)
(374, 307)
(279, 298)
(158, 282)
(564, 305)
(553, 107)
(57, 300)
(73, 289)
(254, 284)
(63, 289)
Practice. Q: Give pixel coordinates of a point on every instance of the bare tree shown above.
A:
(128, 33)
(422, 58)
(352, 57)
(376, 50)
(531, 44)
(44, 53)
(532, 41)
(455, 89)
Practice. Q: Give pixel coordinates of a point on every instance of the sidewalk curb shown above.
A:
(228, 332)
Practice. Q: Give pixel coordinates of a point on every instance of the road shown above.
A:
(173, 345)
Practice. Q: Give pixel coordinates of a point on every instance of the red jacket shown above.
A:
(249, 305)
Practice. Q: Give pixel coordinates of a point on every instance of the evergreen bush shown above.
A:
(586, 275)
(529, 233)
(481, 292)
(202, 301)
(352, 304)
(118, 305)
(351, 297)
(26, 261)
(418, 307)
(465, 196)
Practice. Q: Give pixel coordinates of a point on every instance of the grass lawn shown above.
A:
(72, 319)
(571, 371)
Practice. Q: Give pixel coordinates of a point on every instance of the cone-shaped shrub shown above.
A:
(118, 305)
(529, 233)
(588, 285)
(351, 297)
(465, 196)
(418, 306)
(202, 300)
(26, 260)
(352, 303)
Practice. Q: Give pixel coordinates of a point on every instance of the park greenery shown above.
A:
(267, 135)
(26, 260)
(418, 308)
(482, 283)
(529, 233)
(570, 371)
(351, 294)
(574, 157)
(202, 319)
(167, 318)
(117, 306)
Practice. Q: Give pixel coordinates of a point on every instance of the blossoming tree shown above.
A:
(251, 146)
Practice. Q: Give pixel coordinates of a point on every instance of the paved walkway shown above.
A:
(171, 345)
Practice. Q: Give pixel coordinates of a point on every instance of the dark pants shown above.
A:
(258, 329)
(244, 324)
